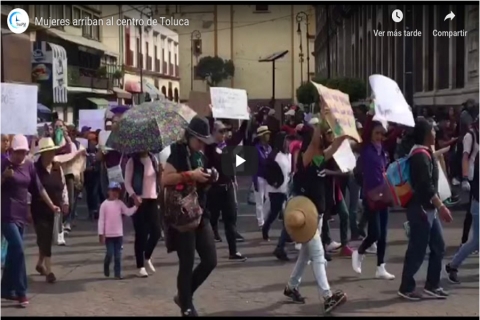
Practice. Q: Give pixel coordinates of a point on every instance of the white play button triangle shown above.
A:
(239, 161)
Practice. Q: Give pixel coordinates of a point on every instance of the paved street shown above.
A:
(253, 288)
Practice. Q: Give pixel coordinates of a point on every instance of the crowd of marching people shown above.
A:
(182, 193)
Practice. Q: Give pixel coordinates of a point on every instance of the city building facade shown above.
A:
(246, 34)
(430, 70)
(155, 50)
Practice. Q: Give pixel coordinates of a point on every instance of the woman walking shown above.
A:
(18, 178)
(259, 183)
(373, 158)
(141, 183)
(48, 222)
(279, 168)
(309, 181)
(184, 166)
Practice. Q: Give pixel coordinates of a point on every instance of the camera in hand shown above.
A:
(213, 173)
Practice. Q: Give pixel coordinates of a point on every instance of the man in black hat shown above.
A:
(221, 197)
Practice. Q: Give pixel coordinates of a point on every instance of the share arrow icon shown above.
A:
(450, 16)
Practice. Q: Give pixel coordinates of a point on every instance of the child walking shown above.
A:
(110, 228)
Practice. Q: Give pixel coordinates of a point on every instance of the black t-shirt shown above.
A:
(178, 159)
(310, 181)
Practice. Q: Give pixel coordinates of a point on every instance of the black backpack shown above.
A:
(273, 173)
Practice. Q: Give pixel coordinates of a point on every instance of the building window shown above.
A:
(76, 15)
(42, 11)
(261, 8)
(87, 28)
(67, 12)
(96, 29)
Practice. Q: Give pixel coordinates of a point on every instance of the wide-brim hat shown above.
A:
(46, 144)
(301, 219)
(262, 130)
(200, 129)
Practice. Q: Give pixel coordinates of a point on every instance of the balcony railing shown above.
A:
(157, 65)
(89, 78)
(165, 71)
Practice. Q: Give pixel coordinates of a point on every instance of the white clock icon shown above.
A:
(397, 15)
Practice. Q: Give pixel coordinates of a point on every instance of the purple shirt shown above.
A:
(15, 191)
(263, 152)
(374, 163)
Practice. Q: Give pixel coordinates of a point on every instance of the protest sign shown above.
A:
(95, 119)
(102, 140)
(229, 103)
(344, 157)
(19, 109)
(200, 102)
(338, 112)
(390, 104)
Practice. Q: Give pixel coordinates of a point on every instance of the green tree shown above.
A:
(307, 93)
(214, 70)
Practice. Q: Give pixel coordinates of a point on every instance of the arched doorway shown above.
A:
(170, 94)
(164, 91)
(175, 94)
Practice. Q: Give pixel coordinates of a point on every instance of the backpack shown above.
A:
(273, 173)
(398, 178)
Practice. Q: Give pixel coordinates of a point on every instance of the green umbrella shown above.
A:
(150, 126)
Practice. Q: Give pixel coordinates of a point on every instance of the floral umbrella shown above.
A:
(150, 126)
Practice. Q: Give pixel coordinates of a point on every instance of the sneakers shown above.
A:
(372, 249)
(293, 294)
(149, 265)
(333, 246)
(237, 257)
(298, 246)
(67, 227)
(357, 259)
(455, 182)
(142, 273)
(452, 274)
(280, 254)
(412, 296)
(383, 274)
(346, 251)
(61, 239)
(438, 293)
(338, 298)
(23, 302)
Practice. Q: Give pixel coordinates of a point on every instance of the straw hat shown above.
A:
(46, 144)
(301, 219)
(262, 130)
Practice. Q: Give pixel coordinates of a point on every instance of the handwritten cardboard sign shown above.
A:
(229, 103)
(19, 108)
(338, 112)
(199, 102)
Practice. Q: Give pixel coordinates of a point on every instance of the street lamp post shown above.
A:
(303, 17)
(195, 35)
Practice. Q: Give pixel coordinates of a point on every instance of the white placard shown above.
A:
(19, 109)
(95, 119)
(390, 104)
(83, 142)
(229, 103)
(345, 158)
(444, 191)
(102, 139)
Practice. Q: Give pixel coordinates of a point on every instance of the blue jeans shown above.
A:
(114, 250)
(472, 245)
(4, 250)
(377, 232)
(14, 279)
(425, 231)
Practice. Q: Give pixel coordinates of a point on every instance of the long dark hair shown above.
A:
(278, 144)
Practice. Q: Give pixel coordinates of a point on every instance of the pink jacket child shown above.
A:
(110, 222)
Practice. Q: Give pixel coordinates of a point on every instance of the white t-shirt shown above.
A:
(284, 160)
(467, 147)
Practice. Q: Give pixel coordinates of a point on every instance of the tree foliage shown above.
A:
(355, 88)
(214, 70)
